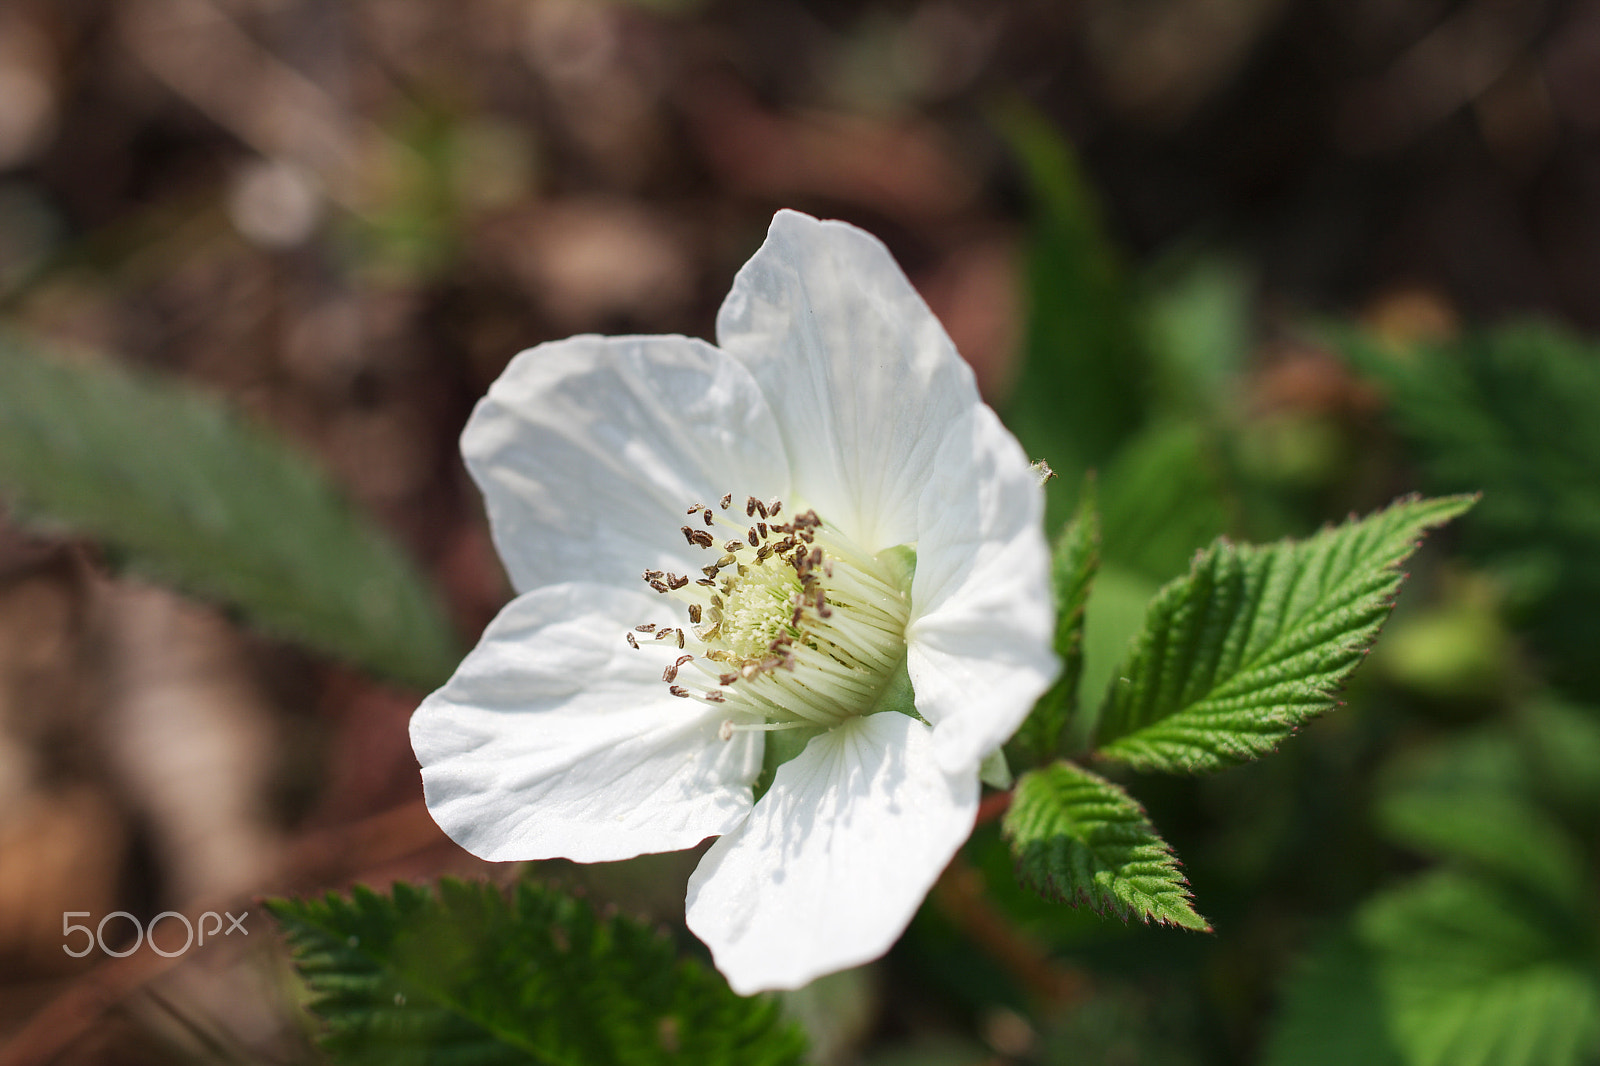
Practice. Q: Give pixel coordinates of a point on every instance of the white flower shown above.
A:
(788, 526)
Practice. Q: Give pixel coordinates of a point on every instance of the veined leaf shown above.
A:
(1083, 387)
(1473, 799)
(1074, 562)
(1448, 971)
(187, 493)
(1077, 838)
(1256, 640)
(464, 976)
(1510, 412)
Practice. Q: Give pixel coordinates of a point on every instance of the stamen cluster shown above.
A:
(795, 626)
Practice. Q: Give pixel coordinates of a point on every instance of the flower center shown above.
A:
(791, 626)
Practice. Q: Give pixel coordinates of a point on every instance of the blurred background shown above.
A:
(1250, 260)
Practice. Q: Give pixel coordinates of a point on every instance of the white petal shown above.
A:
(978, 646)
(861, 376)
(833, 862)
(589, 450)
(556, 739)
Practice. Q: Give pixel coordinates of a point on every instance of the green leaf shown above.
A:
(464, 976)
(1447, 971)
(1073, 565)
(183, 490)
(1472, 799)
(1511, 412)
(1197, 318)
(1077, 838)
(1163, 499)
(1255, 640)
(1082, 390)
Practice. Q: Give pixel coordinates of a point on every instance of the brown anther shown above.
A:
(794, 619)
(709, 571)
(671, 672)
(727, 500)
(694, 613)
(762, 553)
(697, 537)
(634, 644)
(716, 697)
(706, 514)
(652, 575)
(822, 604)
(648, 627)
(752, 538)
(680, 640)
(761, 509)
(707, 582)
(659, 586)
(693, 507)
(676, 582)
(816, 558)
(761, 528)
(664, 633)
(750, 506)
(727, 679)
(679, 690)
(733, 545)
(773, 508)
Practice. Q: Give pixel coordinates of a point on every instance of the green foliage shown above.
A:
(188, 493)
(1073, 564)
(1472, 799)
(467, 977)
(1450, 970)
(1163, 498)
(1198, 329)
(1078, 838)
(1512, 413)
(1255, 640)
(1082, 390)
